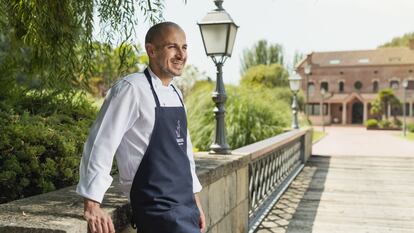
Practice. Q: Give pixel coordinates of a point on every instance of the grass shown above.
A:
(317, 135)
(410, 136)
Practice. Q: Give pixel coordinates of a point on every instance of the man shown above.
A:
(143, 120)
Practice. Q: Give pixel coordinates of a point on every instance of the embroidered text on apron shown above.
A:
(162, 198)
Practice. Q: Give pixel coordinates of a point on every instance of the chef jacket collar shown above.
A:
(157, 81)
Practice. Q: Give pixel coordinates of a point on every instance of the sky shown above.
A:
(298, 25)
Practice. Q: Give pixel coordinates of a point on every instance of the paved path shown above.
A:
(359, 141)
(358, 193)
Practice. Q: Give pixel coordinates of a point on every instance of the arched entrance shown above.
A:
(357, 113)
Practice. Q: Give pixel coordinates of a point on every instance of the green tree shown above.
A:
(384, 99)
(274, 75)
(261, 53)
(297, 57)
(51, 41)
(188, 79)
(109, 64)
(249, 116)
(401, 41)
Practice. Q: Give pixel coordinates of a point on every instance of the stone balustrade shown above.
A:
(225, 196)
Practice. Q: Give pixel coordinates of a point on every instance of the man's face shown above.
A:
(170, 53)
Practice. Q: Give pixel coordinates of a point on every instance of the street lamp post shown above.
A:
(307, 71)
(294, 82)
(405, 85)
(218, 32)
(323, 92)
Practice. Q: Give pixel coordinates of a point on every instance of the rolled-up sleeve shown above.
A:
(118, 113)
(196, 183)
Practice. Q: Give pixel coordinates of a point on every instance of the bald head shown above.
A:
(156, 32)
(166, 47)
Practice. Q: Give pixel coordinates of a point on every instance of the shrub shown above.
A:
(251, 114)
(410, 127)
(396, 123)
(41, 142)
(371, 124)
(384, 124)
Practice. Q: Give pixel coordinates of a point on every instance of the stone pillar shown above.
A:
(365, 115)
(343, 113)
(329, 113)
(389, 110)
(321, 116)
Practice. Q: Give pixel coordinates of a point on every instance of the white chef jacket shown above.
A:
(123, 128)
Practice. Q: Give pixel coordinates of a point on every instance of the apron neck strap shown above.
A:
(179, 97)
(148, 76)
(157, 101)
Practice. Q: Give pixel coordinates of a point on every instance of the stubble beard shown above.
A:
(170, 73)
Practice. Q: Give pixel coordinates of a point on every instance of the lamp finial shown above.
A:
(219, 4)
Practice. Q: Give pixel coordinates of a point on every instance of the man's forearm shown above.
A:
(202, 222)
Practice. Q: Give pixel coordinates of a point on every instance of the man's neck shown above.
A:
(165, 80)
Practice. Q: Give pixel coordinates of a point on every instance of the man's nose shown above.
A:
(181, 53)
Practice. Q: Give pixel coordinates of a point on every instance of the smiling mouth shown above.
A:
(178, 64)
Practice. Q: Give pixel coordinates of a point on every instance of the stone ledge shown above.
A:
(62, 210)
(211, 168)
(58, 211)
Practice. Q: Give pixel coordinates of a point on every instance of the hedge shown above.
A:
(41, 142)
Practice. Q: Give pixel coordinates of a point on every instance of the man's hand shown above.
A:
(98, 220)
(202, 222)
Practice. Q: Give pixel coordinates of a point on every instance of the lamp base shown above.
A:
(219, 149)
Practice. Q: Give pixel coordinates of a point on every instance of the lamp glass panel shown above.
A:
(294, 84)
(214, 38)
(232, 38)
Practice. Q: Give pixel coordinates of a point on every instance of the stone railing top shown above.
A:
(211, 167)
(265, 146)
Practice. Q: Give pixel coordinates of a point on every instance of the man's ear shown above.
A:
(150, 48)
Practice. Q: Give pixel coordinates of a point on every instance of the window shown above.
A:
(396, 111)
(358, 85)
(341, 86)
(363, 60)
(410, 85)
(412, 110)
(407, 109)
(375, 86)
(315, 109)
(394, 59)
(311, 87)
(324, 85)
(394, 84)
(334, 61)
(325, 109)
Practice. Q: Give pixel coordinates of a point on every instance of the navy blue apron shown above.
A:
(162, 197)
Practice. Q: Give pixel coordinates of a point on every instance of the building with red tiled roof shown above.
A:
(352, 79)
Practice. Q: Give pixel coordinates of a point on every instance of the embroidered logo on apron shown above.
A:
(180, 140)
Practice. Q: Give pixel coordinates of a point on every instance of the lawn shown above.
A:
(317, 135)
(410, 136)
